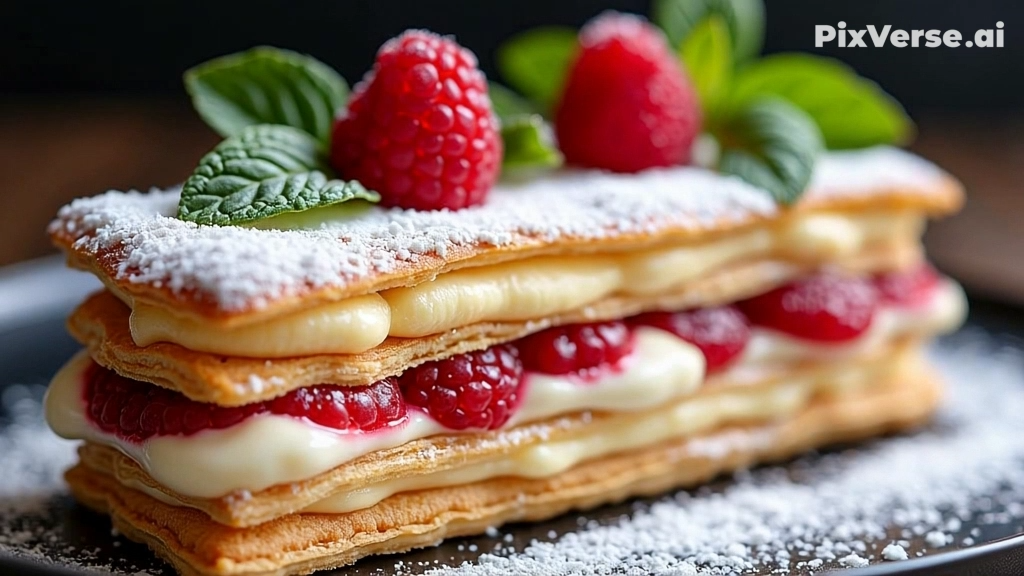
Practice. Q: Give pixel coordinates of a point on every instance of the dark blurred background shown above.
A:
(91, 95)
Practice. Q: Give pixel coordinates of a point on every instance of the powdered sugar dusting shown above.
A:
(234, 268)
(837, 172)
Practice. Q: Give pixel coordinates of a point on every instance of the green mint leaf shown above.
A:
(507, 103)
(264, 171)
(529, 143)
(743, 18)
(708, 58)
(536, 62)
(772, 145)
(267, 86)
(850, 111)
(528, 140)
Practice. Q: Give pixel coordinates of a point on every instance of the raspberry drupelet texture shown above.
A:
(575, 348)
(474, 390)
(419, 129)
(827, 308)
(720, 333)
(365, 408)
(907, 287)
(627, 104)
(136, 411)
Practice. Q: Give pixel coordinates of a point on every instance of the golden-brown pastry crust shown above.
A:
(101, 324)
(895, 362)
(112, 265)
(302, 543)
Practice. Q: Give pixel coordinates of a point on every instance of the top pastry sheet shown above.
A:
(134, 244)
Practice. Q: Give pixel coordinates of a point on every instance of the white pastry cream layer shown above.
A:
(523, 290)
(290, 449)
(268, 450)
(681, 418)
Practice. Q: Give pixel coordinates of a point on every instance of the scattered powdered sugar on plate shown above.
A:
(936, 539)
(34, 505)
(34, 458)
(853, 560)
(841, 509)
(234, 268)
(894, 552)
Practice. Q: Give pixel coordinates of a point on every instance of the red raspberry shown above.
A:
(136, 411)
(419, 128)
(627, 104)
(907, 287)
(575, 348)
(474, 390)
(721, 333)
(826, 308)
(363, 408)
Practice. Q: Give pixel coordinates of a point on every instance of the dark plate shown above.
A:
(36, 297)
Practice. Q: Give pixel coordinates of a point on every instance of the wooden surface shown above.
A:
(983, 245)
(51, 152)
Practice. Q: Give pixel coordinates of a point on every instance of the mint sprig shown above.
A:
(743, 18)
(772, 116)
(267, 85)
(536, 62)
(850, 111)
(263, 171)
(707, 55)
(507, 103)
(773, 145)
(528, 143)
(528, 140)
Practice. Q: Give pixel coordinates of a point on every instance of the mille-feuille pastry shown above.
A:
(280, 377)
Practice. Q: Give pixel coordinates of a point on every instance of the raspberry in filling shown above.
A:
(826, 308)
(475, 390)
(357, 408)
(576, 347)
(907, 287)
(720, 333)
(136, 411)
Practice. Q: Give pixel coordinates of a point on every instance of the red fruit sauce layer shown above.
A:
(481, 390)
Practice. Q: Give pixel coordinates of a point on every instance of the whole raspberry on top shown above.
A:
(419, 128)
(627, 103)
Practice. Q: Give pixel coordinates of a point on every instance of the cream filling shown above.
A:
(943, 312)
(519, 290)
(216, 462)
(683, 419)
(662, 368)
(346, 327)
